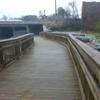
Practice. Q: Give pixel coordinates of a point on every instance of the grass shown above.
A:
(97, 35)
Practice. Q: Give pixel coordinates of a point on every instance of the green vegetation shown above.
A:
(97, 28)
(95, 35)
(97, 31)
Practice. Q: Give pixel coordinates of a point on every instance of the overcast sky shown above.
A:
(16, 8)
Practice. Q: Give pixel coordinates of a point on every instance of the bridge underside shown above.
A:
(8, 31)
(44, 72)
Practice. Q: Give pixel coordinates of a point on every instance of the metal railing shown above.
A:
(87, 64)
(11, 49)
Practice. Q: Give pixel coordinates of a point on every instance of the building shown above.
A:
(10, 29)
(90, 14)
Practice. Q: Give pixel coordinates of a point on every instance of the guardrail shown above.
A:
(87, 64)
(11, 49)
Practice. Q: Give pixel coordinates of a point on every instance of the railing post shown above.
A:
(18, 49)
(1, 58)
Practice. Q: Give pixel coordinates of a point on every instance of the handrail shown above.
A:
(87, 64)
(12, 48)
(88, 53)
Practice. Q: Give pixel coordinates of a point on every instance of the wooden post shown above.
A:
(1, 58)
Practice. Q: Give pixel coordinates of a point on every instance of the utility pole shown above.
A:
(56, 7)
(56, 11)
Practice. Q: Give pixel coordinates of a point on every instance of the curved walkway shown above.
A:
(44, 72)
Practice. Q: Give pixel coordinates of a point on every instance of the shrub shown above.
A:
(97, 28)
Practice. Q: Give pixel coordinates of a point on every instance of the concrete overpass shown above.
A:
(16, 28)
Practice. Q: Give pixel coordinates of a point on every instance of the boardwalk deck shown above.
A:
(44, 72)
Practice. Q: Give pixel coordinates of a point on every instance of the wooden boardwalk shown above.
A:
(44, 72)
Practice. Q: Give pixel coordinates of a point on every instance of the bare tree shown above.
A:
(74, 11)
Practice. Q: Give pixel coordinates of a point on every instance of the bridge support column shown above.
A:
(27, 29)
(13, 28)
